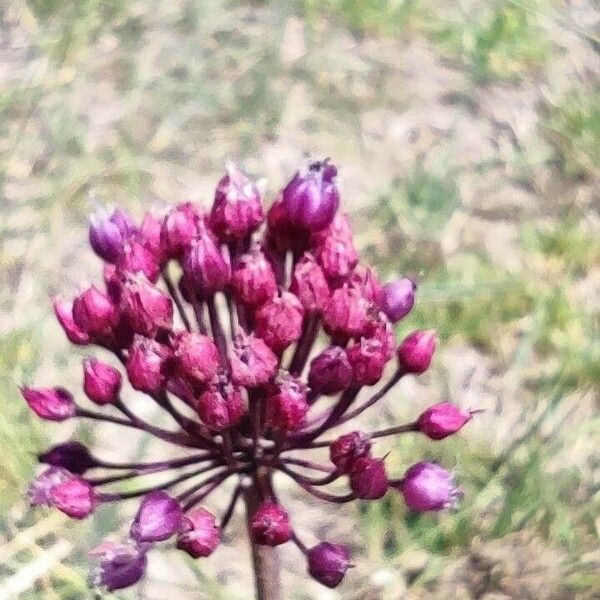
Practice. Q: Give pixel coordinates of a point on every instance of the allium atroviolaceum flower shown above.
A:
(240, 384)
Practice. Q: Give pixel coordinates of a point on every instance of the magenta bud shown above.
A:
(309, 284)
(146, 309)
(367, 281)
(253, 363)
(368, 478)
(40, 488)
(146, 365)
(330, 372)
(197, 355)
(398, 298)
(381, 329)
(95, 313)
(52, 404)
(328, 563)
(74, 497)
(279, 321)
(416, 351)
(204, 266)
(101, 382)
(253, 279)
(368, 359)
(63, 310)
(346, 312)
(337, 257)
(311, 199)
(138, 258)
(347, 449)
(121, 565)
(286, 409)
(108, 233)
(158, 518)
(443, 419)
(281, 234)
(199, 535)
(237, 210)
(72, 456)
(427, 486)
(270, 525)
(221, 406)
(150, 235)
(179, 228)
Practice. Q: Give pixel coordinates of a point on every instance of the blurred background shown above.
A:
(468, 139)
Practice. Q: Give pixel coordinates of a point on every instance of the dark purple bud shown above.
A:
(252, 362)
(199, 535)
(146, 365)
(281, 234)
(286, 409)
(63, 309)
(311, 199)
(398, 298)
(40, 488)
(101, 382)
(279, 321)
(309, 284)
(179, 228)
(416, 351)
(113, 282)
(443, 419)
(253, 279)
(221, 406)
(346, 312)
(330, 372)
(121, 565)
(328, 563)
(138, 258)
(368, 359)
(197, 356)
(347, 449)
(368, 478)
(95, 313)
(237, 209)
(52, 404)
(270, 525)
(158, 518)
(73, 497)
(72, 456)
(427, 486)
(108, 233)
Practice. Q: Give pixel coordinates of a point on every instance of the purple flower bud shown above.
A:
(204, 265)
(40, 488)
(427, 486)
(253, 279)
(279, 321)
(221, 405)
(379, 328)
(145, 365)
(346, 312)
(158, 518)
(270, 525)
(95, 313)
(72, 456)
(281, 234)
(149, 235)
(328, 563)
(311, 199)
(443, 419)
(286, 409)
(179, 228)
(368, 478)
(101, 382)
(416, 351)
(108, 233)
(121, 565)
(52, 404)
(398, 298)
(237, 209)
(197, 356)
(337, 257)
(146, 309)
(138, 258)
(367, 281)
(253, 363)
(368, 359)
(63, 309)
(309, 284)
(330, 372)
(74, 497)
(199, 535)
(347, 449)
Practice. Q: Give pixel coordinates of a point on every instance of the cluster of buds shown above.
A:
(241, 385)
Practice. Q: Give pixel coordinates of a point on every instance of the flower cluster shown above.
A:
(214, 316)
